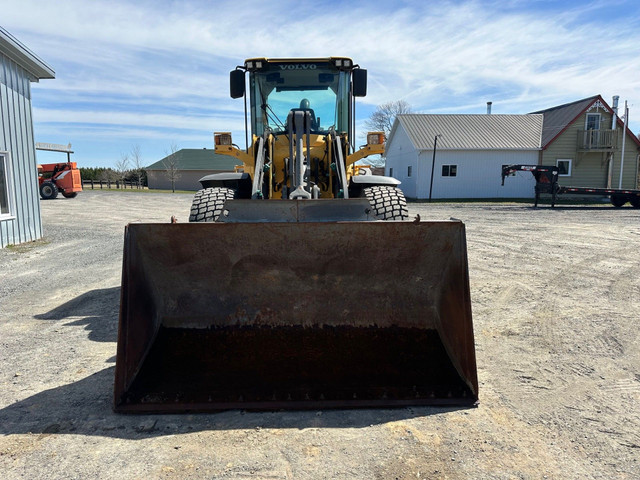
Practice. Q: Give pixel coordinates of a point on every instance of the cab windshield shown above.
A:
(317, 87)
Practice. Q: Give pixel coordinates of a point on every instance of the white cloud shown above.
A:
(165, 65)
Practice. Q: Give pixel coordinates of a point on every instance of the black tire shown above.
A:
(387, 202)
(208, 203)
(70, 194)
(618, 200)
(635, 201)
(48, 191)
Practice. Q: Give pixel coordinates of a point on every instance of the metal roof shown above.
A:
(12, 48)
(556, 119)
(472, 132)
(198, 159)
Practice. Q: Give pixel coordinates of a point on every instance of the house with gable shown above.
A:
(584, 139)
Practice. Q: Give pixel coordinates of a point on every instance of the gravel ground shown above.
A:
(556, 296)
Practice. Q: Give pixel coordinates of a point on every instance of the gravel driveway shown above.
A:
(556, 303)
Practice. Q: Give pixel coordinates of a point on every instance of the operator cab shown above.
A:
(322, 87)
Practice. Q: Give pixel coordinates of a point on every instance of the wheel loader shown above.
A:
(299, 281)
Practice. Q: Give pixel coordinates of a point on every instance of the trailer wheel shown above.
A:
(48, 191)
(70, 194)
(635, 201)
(208, 203)
(387, 202)
(618, 200)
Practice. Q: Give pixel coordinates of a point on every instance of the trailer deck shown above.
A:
(547, 182)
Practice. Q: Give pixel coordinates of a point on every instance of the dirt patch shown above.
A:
(556, 297)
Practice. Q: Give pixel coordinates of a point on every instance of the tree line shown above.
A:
(108, 174)
(128, 169)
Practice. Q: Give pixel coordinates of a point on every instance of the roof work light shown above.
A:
(222, 138)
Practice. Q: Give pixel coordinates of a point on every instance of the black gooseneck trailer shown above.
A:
(547, 182)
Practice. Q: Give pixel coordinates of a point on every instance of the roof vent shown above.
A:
(489, 108)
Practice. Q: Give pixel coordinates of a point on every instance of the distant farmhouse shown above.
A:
(581, 138)
(190, 165)
(19, 198)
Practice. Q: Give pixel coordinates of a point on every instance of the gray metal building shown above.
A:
(19, 199)
(190, 164)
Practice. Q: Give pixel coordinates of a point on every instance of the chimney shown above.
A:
(489, 108)
(615, 111)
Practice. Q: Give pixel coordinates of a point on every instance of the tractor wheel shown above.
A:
(618, 200)
(208, 203)
(48, 191)
(70, 194)
(388, 202)
(635, 201)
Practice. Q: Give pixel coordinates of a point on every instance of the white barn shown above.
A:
(469, 155)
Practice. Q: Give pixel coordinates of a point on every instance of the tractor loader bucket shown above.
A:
(311, 315)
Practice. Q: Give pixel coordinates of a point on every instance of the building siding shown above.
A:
(16, 138)
(399, 157)
(479, 174)
(591, 169)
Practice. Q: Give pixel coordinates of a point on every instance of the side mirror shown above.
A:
(359, 80)
(236, 83)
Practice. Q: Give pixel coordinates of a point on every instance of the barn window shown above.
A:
(564, 167)
(5, 186)
(391, 172)
(449, 170)
(409, 170)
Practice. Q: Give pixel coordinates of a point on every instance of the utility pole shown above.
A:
(624, 136)
(433, 163)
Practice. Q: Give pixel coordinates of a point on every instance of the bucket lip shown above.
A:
(290, 405)
(421, 222)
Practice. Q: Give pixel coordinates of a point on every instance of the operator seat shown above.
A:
(305, 106)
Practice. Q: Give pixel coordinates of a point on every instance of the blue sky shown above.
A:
(155, 73)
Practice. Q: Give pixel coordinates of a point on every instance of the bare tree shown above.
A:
(122, 166)
(382, 119)
(138, 167)
(107, 175)
(172, 167)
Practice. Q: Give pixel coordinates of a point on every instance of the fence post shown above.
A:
(109, 184)
(92, 184)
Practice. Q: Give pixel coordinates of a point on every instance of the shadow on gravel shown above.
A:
(100, 311)
(84, 408)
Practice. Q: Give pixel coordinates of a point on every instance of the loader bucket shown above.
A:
(315, 315)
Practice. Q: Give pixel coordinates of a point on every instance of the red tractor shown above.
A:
(61, 177)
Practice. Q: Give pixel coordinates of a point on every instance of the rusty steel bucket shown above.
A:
(294, 315)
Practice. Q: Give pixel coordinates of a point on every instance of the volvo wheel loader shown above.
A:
(299, 281)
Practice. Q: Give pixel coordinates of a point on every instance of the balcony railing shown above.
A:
(597, 140)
